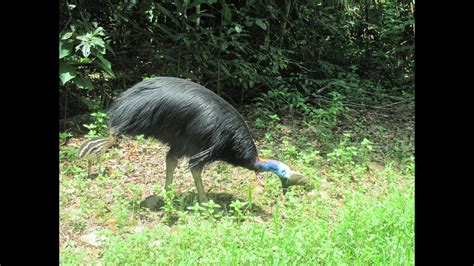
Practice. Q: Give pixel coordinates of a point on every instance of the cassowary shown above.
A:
(196, 123)
(93, 149)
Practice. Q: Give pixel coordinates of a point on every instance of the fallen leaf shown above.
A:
(111, 223)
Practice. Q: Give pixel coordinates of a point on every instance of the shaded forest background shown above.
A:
(289, 57)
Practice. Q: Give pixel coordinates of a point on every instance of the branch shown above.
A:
(69, 19)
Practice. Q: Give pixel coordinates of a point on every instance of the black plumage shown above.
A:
(192, 120)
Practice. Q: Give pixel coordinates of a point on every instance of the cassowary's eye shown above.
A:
(283, 172)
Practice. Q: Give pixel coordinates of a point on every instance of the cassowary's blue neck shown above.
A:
(282, 170)
(267, 165)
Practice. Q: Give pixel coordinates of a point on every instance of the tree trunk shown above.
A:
(284, 20)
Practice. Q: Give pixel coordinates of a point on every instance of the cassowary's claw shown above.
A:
(260, 179)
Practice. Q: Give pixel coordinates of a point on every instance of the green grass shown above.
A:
(365, 231)
(348, 215)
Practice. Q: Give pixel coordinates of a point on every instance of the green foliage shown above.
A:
(237, 209)
(359, 232)
(67, 154)
(348, 214)
(208, 209)
(121, 213)
(71, 256)
(98, 127)
(282, 100)
(245, 51)
(328, 117)
(64, 136)
(169, 208)
(365, 231)
(73, 169)
(197, 209)
(345, 153)
(212, 209)
(82, 43)
(140, 138)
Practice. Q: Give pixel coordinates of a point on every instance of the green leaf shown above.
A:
(261, 23)
(99, 31)
(224, 46)
(107, 46)
(224, 69)
(226, 13)
(167, 13)
(65, 49)
(98, 41)
(67, 35)
(106, 65)
(84, 60)
(66, 72)
(83, 83)
(86, 49)
(213, 39)
(238, 28)
(83, 38)
(166, 30)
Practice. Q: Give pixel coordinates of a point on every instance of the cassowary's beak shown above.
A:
(295, 179)
(260, 178)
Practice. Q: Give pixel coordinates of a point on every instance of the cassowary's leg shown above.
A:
(196, 171)
(97, 159)
(88, 168)
(171, 163)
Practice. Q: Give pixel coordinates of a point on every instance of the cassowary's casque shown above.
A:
(194, 122)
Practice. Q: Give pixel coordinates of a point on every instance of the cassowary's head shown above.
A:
(287, 176)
